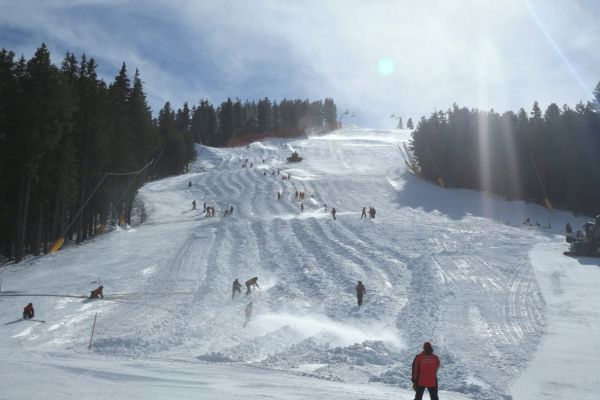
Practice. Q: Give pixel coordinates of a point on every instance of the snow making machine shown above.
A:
(294, 157)
(586, 243)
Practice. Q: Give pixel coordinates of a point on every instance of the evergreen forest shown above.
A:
(550, 157)
(75, 149)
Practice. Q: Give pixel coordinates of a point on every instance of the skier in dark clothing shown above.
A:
(333, 212)
(190, 184)
(230, 210)
(237, 287)
(194, 205)
(364, 213)
(250, 283)
(360, 291)
(204, 209)
(94, 294)
(424, 373)
(28, 311)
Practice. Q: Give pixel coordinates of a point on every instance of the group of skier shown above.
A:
(371, 212)
(425, 364)
(300, 195)
(237, 286)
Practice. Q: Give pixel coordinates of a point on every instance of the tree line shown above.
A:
(74, 149)
(551, 158)
(236, 119)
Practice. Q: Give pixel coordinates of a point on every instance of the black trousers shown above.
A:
(359, 297)
(432, 393)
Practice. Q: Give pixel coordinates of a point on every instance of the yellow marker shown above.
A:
(57, 245)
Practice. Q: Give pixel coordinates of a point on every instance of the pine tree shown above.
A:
(409, 124)
(597, 96)
(330, 113)
(226, 122)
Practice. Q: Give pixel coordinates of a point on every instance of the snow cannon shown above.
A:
(586, 242)
(294, 157)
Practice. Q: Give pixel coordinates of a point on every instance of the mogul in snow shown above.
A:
(424, 373)
(97, 293)
(250, 283)
(360, 292)
(237, 287)
(248, 311)
(28, 311)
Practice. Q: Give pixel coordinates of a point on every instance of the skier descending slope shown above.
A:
(424, 373)
(360, 291)
(236, 288)
(250, 283)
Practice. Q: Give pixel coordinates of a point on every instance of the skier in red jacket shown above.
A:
(424, 373)
(360, 291)
(96, 293)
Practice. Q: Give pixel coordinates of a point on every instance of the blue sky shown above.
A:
(374, 57)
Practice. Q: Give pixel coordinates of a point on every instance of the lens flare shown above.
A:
(386, 66)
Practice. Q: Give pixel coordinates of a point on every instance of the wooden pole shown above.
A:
(93, 329)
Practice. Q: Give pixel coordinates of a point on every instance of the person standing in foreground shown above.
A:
(360, 291)
(424, 373)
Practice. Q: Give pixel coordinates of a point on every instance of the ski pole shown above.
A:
(93, 329)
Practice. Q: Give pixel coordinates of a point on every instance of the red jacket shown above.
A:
(360, 289)
(424, 369)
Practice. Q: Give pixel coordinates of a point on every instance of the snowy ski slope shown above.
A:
(506, 312)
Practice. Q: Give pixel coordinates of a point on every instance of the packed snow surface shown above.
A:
(507, 313)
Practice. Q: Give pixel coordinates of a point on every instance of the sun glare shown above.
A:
(386, 66)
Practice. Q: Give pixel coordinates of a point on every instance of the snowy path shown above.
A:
(567, 364)
(450, 266)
